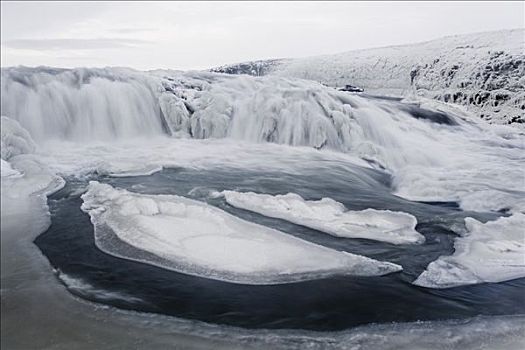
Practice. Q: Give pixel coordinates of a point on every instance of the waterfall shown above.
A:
(430, 155)
(80, 104)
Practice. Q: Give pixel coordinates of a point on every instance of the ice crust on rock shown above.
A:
(193, 237)
(22, 171)
(7, 170)
(490, 252)
(33, 177)
(14, 139)
(330, 216)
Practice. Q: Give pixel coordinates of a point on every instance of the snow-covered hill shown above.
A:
(484, 72)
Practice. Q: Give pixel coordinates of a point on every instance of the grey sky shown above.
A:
(196, 35)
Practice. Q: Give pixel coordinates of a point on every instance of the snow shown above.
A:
(490, 252)
(330, 216)
(195, 238)
(483, 71)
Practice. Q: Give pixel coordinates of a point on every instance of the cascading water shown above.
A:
(418, 147)
(81, 104)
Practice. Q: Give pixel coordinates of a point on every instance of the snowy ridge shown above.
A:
(195, 238)
(483, 71)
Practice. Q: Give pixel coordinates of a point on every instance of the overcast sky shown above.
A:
(197, 35)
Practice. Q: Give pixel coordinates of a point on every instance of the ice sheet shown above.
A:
(490, 252)
(330, 216)
(195, 238)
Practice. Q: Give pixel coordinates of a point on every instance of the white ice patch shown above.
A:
(490, 252)
(193, 237)
(330, 216)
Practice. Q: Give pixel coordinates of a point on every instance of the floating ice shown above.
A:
(330, 216)
(490, 252)
(195, 238)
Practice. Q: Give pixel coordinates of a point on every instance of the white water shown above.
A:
(80, 104)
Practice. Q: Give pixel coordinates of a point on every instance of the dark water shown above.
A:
(325, 304)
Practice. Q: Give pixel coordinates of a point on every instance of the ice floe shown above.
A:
(489, 252)
(195, 238)
(330, 216)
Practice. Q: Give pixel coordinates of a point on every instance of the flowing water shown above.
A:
(327, 304)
